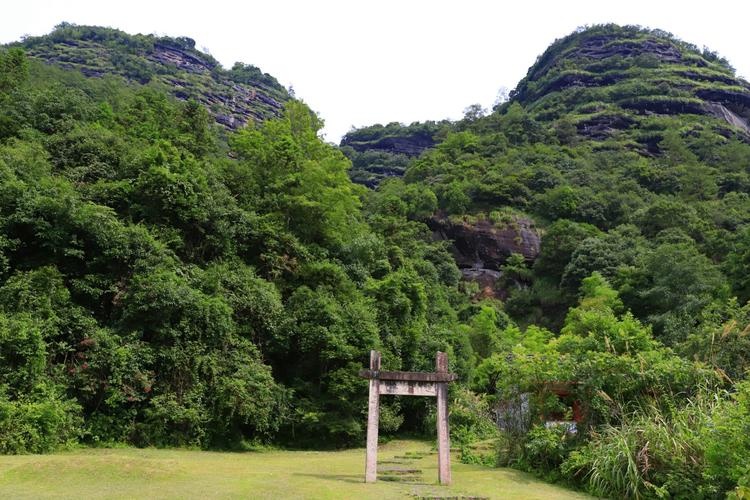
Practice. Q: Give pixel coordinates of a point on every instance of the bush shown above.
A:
(727, 441)
(471, 422)
(37, 426)
(546, 448)
(742, 492)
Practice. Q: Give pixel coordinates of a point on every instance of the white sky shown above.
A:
(361, 62)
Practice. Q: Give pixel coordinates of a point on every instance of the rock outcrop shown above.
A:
(233, 97)
(487, 244)
(407, 144)
(481, 247)
(378, 152)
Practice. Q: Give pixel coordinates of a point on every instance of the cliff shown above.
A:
(233, 97)
(378, 152)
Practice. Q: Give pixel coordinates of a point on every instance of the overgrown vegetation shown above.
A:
(634, 306)
(159, 292)
(166, 283)
(378, 152)
(233, 97)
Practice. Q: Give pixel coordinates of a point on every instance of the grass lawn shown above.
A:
(409, 469)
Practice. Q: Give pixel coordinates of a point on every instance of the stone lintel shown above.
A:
(408, 376)
(401, 388)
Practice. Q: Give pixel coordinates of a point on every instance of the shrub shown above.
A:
(37, 425)
(546, 448)
(727, 441)
(470, 417)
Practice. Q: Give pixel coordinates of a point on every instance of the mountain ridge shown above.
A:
(233, 97)
(606, 78)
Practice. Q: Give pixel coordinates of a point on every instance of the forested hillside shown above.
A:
(159, 291)
(603, 212)
(379, 152)
(581, 252)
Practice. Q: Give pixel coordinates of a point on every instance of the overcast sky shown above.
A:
(362, 62)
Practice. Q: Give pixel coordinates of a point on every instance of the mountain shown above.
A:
(233, 97)
(606, 77)
(603, 81)
(618, 137)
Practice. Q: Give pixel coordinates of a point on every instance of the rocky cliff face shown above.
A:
(486, 244)
(482, 246)
(233, 97)
(410, 144)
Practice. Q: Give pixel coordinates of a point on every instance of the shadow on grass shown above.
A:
(358, 479)
(347, 478)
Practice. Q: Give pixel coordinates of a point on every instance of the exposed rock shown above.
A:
(233, 99)
(487, 280)
(663, 106)
(410, 145)
(714, 77)
(603, 125)
(729, 98)
(481, 247)
(595, 48)
(170, 55)
(604, 46)
(720, 111)
(486, 245)
(237, 104)
(378, 152)
(675, 78)
(578, 79)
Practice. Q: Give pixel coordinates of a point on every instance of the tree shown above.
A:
(14, 70)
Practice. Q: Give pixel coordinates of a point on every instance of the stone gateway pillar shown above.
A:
(443, 439)
(408, 384)
(373, 417)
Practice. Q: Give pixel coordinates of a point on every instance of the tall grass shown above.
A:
(656, 452)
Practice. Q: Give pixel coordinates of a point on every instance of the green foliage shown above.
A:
(727, 440)
(170, 63)
(699, 450)
(159, 292)
(38, 423)
(379, 152)
(616, 370)
(722, 340)
(13, 70)
(166, 283)
(470, 418)
(608, 146)
(614, 147)
(545, 448)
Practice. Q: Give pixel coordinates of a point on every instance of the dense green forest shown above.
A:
(168, 280)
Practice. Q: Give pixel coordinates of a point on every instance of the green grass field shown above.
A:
(409, 470)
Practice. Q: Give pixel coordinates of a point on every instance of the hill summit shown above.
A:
(233, 97)
(604, 75)
(601, 82)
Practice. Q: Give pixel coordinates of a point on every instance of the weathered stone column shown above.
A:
(373, 415)
(443, 438)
